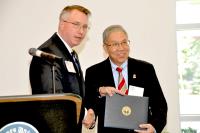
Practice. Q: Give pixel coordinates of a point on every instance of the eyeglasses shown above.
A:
(78, 25)
(117, 44)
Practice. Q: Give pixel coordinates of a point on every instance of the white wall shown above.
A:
(150, 24)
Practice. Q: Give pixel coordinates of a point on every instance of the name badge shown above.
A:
(135, 91)
(70, 66)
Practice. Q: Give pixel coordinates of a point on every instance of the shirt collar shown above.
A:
(114, 66)
(67, 46)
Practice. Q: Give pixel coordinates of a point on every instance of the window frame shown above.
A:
(184, 27)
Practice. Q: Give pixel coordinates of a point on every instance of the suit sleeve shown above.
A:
(91, 87)
(157, 103)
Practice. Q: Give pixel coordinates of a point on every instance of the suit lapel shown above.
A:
(63, 52)
(132, 76)
(109, 81)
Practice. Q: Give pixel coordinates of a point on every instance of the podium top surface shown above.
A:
(39, 97)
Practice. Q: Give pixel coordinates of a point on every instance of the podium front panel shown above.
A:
(47, 116)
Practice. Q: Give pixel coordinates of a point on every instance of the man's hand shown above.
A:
(109, 91)
(148, 128)
(89, 120)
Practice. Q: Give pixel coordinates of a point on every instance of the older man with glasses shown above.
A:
(104, 79)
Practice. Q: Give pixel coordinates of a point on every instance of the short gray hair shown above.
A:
(74, 7)
(111, 29)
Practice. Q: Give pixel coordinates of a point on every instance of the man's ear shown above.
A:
(61, 24)
(105, 48)
(105, 52)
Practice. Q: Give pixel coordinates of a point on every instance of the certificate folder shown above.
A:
(125, 112)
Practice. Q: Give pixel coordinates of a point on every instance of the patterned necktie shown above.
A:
(75, 58)
(80, 74)
(121, 81)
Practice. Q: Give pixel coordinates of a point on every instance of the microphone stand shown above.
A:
(50, 59)
(53, 78)
(52, 64)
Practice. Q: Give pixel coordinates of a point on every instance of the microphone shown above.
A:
(44, 55)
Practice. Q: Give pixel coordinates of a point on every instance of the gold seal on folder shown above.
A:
(126, 110)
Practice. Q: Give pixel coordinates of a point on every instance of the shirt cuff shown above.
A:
(85, 113)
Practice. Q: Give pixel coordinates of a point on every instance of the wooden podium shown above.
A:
(48, 113)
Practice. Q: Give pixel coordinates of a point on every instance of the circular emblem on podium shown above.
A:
(18, 127)
(126, 111)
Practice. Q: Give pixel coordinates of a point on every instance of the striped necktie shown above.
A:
(121, 81)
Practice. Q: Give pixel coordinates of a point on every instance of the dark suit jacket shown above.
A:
(41, 71)
(101, 75)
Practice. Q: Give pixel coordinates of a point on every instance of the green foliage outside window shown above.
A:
(189, 77)
(188, 130)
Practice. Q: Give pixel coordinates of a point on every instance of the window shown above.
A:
(188, 53)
